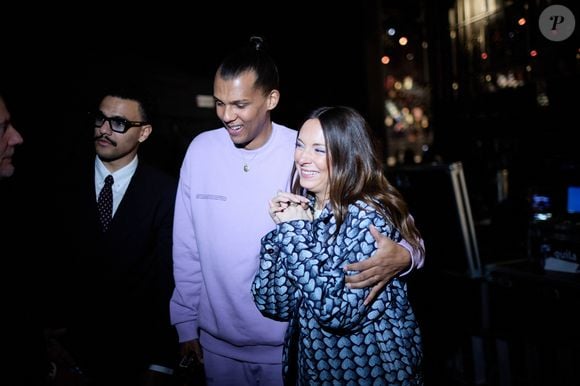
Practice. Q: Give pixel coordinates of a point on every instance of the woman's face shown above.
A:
(310, 158)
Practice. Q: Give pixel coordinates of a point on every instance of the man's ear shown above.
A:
(273, 99)
(145, 132)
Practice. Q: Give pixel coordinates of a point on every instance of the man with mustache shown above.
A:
(118, 275)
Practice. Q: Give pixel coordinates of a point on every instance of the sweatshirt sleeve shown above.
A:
(186, 264)
(417, 257)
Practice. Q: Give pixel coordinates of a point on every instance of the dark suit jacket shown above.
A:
(118, 283)
(21, 287)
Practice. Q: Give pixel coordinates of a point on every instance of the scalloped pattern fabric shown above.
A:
(332, 337)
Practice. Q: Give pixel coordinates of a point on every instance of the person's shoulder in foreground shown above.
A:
(9, 139)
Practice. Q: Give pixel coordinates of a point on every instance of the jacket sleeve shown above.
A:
(163, 338)
(317, 272)
(274, 294)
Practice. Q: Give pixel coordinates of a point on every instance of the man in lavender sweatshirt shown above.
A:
(226, 179)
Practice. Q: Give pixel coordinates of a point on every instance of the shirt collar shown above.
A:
(120, 176)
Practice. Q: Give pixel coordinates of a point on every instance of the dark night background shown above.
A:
(321, 50)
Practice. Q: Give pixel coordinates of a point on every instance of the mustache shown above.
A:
(106, 138)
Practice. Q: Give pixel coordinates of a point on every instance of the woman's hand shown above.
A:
(287, 206)
(376, 271)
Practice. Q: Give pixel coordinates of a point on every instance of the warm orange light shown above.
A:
(522, 21)
(385, 59)
(403, 41)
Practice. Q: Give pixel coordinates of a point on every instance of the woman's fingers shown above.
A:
(290, 198)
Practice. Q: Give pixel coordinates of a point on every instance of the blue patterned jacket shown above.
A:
(332, 337)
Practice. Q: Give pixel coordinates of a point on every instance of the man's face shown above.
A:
(119, 148)
(244, 109)
(9, 138)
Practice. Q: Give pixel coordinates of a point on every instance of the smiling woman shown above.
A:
(302, 273)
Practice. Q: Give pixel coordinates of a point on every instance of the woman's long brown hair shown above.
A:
(357, 171)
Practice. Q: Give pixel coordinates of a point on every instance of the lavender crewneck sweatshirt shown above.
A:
(221, 214)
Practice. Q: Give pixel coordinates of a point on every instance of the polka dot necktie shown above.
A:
(105, 203)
